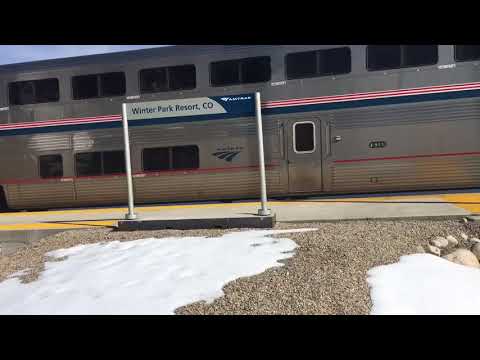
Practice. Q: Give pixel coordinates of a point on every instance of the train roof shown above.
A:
(123, 56)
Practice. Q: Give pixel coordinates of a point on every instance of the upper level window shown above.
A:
(318, 63)
(34, 91)
(98, 85)
(168, 79)
(51, 166)
(467, 52)
(384, 57)
(242, 71)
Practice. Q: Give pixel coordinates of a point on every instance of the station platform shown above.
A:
(437, 204)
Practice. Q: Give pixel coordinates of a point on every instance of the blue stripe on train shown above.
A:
(269, 111)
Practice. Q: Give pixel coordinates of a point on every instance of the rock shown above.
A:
(476, 250)
(452, 241)
(439, 242)
(464, 236)
(474, 240)
(419, 250)
(463, 257)
(465, 220)
(433, 250)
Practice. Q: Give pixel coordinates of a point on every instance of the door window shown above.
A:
(304, 137)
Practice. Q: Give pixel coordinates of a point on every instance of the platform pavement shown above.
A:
(384, 206)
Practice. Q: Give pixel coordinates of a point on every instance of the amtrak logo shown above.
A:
(228, 154)
(237, 98)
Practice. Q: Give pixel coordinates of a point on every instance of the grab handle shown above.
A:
(282, 140)
(328, 140)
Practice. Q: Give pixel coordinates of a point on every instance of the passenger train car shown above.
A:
(336, 119)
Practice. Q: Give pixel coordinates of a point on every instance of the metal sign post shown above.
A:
(128, 166)
(263, 211)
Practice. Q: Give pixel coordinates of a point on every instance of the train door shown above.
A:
(304, 156)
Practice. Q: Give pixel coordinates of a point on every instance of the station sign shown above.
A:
(229, 105)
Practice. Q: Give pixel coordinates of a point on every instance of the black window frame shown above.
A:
(40, 157)
(170, 158)
(318, 53)
(168, 70)
(34, 85)
(455, 55)
(240, 64)
(102, 163)
(100, 92)
(401, 66)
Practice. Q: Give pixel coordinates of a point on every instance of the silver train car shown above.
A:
(337, 119)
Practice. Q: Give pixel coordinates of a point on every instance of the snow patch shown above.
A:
(423, 284)
(148, 276)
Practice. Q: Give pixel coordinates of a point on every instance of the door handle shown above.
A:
(337, 138)
(328, 140)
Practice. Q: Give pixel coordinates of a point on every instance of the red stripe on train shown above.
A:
(370, 95)
(269, 104)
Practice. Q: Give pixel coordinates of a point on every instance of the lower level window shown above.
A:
(304, 137)
(100, 163)
(51, 166)
(185, 157)
(113, 162)
(171, 158)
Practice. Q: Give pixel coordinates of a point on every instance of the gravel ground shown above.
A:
(327, 275)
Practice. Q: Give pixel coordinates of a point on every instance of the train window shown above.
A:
(182, 77)
(51, 166)
(156, 159)
(168, 79)
(467, 52)
(384, 57)
(98, 85)
(88, 164)
(21, 93)
(153, 80)
(381, 57)
(85, 87)
(304, 137)
(334, 61)
(34, 92)
(242, 71)
(46, 90)
(112, 84)
(225, 73)
(419, 55)
(301, 65)
(318, 63)
(167, 158)
(255, 70)
(185, 157)
(113, 162)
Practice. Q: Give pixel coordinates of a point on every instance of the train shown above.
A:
(337, 119)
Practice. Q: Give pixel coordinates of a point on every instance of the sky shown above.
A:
(10, 54)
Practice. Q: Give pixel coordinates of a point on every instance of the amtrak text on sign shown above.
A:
(238, 105)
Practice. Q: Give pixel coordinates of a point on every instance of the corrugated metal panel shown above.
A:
(452, 110)
(407, 174)
(49, 142)
(40, 195)
(101, 190)
(204, 186)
